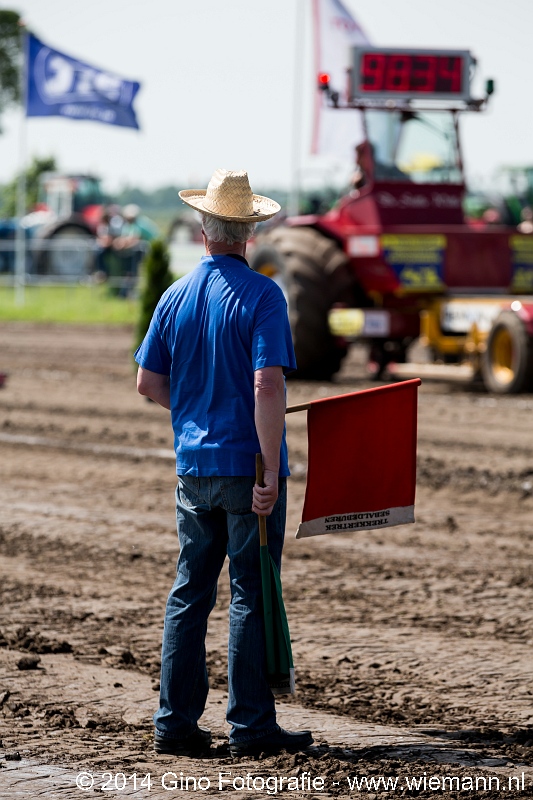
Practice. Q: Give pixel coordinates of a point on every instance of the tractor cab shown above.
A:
(64, 196)
(414, 147)
(410, 165)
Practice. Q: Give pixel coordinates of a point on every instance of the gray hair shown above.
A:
(222, 230)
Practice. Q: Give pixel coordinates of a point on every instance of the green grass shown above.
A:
(82, 304)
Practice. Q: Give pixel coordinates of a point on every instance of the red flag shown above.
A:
(361, 470)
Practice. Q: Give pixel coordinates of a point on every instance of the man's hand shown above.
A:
(264, 497)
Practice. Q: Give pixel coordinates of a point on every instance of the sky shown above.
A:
(219, 80)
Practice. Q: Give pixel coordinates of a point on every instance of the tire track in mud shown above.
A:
(67, 411)
(117, 451)
(339, 605)
(431, 471)
(108, 728)
(430, 624)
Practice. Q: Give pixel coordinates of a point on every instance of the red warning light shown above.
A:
(323, 80)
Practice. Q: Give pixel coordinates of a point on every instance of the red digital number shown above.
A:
(424, 74)
(449, 74)
(404, 73)
(373, 72)
(398, 74)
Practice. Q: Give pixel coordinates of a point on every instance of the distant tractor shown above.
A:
(395, 263)
(64, 223)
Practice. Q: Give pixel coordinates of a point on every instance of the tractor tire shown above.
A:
(507, 363)
(313, 272)
(267, 260)
(74, 254)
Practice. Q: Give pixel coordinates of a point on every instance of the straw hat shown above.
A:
(229, 196)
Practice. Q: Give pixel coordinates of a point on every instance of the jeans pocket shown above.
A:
(188, 490)
(236, 493)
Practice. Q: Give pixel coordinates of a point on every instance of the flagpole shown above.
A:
(20, 238)
(299, 407)
(294, 194)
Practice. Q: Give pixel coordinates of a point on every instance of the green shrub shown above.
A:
(156, 277)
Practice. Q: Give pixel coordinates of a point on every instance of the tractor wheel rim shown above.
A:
(268, 269)
(502, 356)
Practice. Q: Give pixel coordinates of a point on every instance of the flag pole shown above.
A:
(300, 407)
(20, 237)
(294, 194)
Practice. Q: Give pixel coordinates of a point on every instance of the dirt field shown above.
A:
(413, 645)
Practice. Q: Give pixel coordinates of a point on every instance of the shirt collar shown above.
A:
(228, 255)
(239, 258)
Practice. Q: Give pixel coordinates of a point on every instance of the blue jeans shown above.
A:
(214, 518)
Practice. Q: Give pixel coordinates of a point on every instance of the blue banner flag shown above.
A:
(61, 86)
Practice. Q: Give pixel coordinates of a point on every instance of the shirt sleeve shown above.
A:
(272, 340)
(153, 354)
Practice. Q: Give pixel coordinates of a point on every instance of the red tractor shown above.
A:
(64, 223)
(395, 263)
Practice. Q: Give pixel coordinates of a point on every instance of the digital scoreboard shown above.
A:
(411, 74)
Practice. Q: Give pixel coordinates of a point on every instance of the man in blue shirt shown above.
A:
(215, 355)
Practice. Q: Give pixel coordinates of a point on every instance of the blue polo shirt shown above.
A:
(210, 331)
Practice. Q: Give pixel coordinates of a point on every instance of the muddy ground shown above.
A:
(413, 645)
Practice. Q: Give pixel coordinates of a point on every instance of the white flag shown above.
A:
(335, 131)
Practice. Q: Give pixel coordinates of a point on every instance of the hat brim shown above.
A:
(264, 207)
